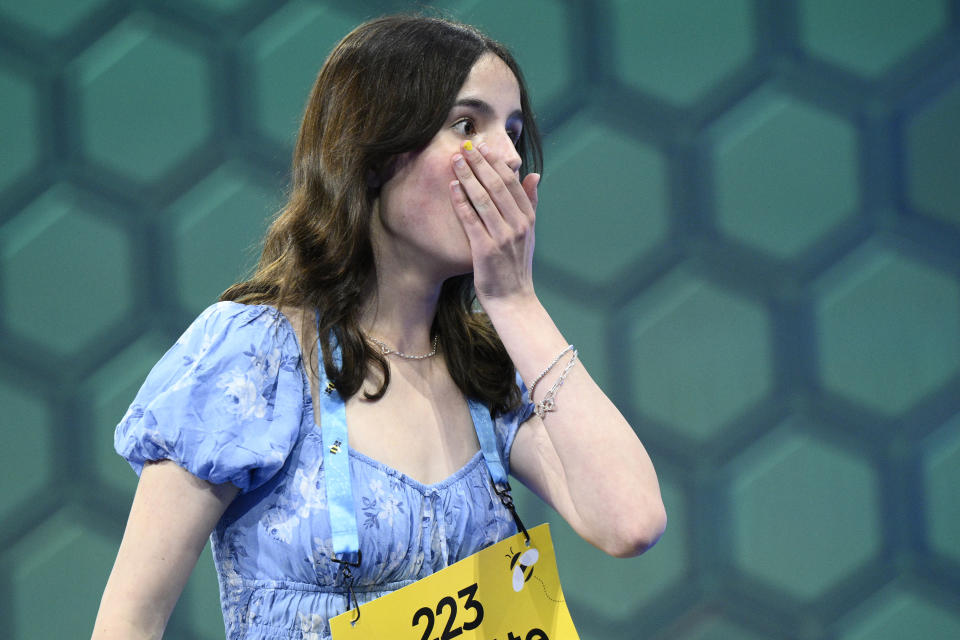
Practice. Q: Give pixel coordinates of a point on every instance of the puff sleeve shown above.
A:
(507, 424)
(225, 402)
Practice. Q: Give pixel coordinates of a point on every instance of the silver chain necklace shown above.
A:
(385, 350)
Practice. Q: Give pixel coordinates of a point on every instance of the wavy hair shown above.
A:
(384, 90)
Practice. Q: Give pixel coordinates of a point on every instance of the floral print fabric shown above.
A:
(230, 402)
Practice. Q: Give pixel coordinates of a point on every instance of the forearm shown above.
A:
(609, 476)
(112, 624)
(611, 494)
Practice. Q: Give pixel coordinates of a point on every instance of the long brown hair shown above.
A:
(384, 90)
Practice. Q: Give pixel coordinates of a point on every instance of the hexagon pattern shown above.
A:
(942, 477)
(18, 128)
(749, 225)
(49, 299)
(616, 224)
(30, 462)
(785, 173)
(718, 628)
(899, 613)
(816, 500)
(39, 577)
(206, 253)
(679, 51)
(933, 147)
(284, 54)
(680, 375)
(584, 327)
(547, 61)
(868, 37)
(912, 345)
(144, 100)
(224, 6)
(51, 18)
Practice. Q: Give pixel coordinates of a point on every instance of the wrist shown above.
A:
(511, 308)
(527, 332)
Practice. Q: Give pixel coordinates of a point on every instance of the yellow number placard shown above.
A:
(508, 591)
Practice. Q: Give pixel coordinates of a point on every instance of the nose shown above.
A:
(503, 147)
(513, 158)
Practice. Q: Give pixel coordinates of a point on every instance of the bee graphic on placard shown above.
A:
(522, 564)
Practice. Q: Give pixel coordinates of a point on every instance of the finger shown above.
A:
(473, 226)
(510, 177)
(530, 188)
(481, 199)
(497, 178)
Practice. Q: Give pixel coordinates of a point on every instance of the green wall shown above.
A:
(749, 224)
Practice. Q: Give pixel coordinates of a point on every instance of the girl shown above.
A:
(398, 278)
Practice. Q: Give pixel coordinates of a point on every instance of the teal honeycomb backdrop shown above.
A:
(749, 224)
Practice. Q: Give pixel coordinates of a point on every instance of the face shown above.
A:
(416, 225)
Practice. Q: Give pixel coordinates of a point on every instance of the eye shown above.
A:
(514, 133)
(465, 127)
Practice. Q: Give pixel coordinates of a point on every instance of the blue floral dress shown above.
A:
(230, 402)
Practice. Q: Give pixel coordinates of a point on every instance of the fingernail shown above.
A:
(482, 148)
(468, 145)
(458, 160)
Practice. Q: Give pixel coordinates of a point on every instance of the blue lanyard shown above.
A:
(483, 425)
(336, 461)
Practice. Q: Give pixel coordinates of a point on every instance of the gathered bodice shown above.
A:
(230, 402)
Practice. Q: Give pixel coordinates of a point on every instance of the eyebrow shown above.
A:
(484, 108)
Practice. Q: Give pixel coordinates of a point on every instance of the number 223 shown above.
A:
(449, 631)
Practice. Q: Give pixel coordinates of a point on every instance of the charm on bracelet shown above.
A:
(548, 403)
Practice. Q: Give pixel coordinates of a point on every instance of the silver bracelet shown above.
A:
(533, 386)
(549, 403)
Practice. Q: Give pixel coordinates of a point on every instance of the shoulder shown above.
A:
(225, 402)
(227, 328)
(233, 317)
